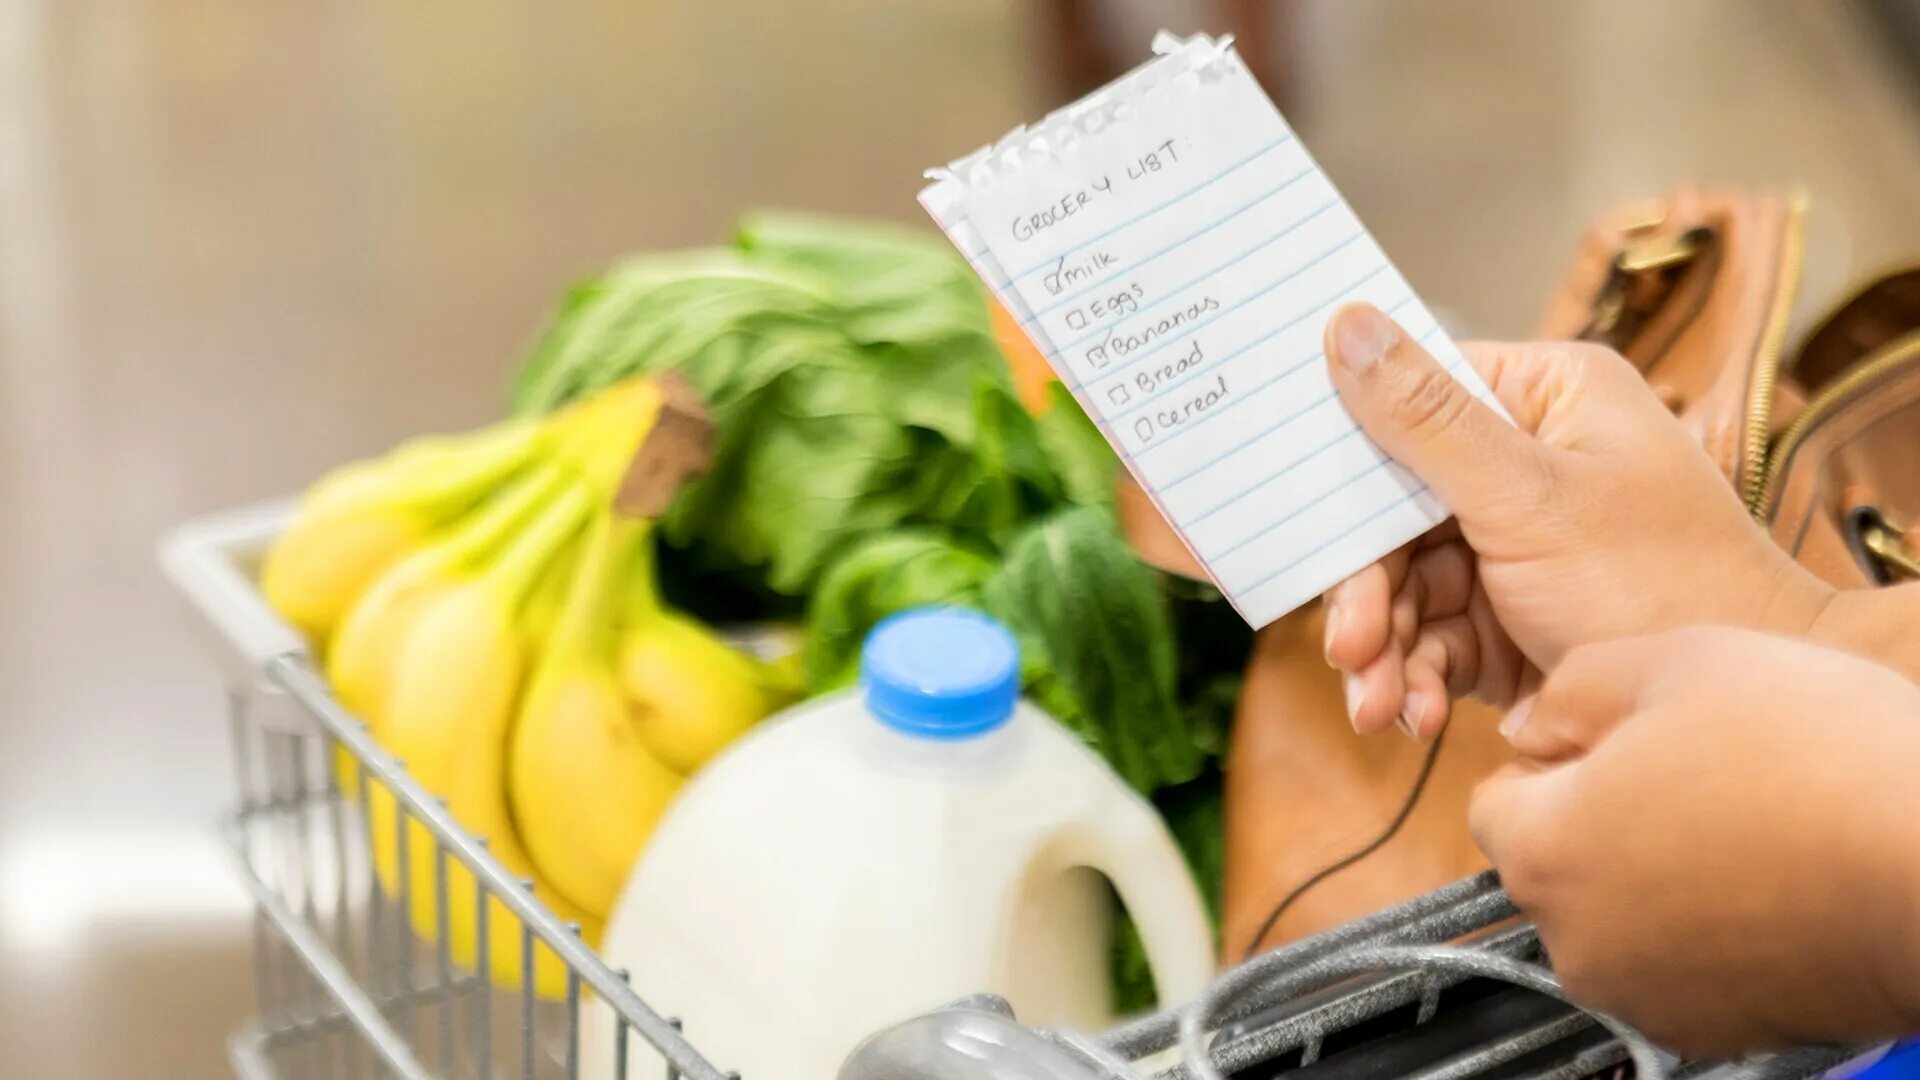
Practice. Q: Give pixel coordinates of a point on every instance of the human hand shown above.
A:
(1593, 516)
(1717, 833)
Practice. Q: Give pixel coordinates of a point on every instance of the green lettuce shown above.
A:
(844, 404)
(890, 572)
(1096, 643)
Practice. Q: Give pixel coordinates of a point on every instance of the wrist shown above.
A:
(1873, 624)
(1797, 604)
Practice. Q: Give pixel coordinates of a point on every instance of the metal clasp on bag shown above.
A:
(1879, 545)
(1889, 546)
(1643, 275)
(1661, 253)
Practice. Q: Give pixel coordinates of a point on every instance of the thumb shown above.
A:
(1425, 418)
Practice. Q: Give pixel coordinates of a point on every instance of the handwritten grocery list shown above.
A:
(1175, 252)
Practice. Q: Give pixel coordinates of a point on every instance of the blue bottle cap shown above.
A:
(941, 673)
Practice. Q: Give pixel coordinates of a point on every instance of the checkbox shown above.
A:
(1144, 428)
(1119, 394)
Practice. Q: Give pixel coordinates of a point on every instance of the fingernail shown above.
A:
(1332, 629)
(1411, 711)
(1516, 717)
(1361, 336)
(1356, 697)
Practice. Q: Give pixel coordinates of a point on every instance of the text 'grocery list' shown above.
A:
(1175, 252)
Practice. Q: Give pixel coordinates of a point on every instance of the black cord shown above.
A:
(1406, 811)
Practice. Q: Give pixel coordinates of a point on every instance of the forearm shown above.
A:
(1891, 869)
(1882, 625)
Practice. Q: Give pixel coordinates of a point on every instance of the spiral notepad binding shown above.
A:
(1197, 57)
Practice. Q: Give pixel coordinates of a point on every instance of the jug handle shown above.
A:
(1129, 843)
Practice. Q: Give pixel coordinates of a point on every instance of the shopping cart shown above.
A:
(1447, 986)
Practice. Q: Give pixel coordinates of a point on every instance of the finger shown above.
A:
(1375, 693)
(1358, 609)
(1514, 816)
(1418, 413)
(1591, 691)
(1450, 648)
(1438, 585)
(1439, 582)
(1443, 664)
(1503, 668)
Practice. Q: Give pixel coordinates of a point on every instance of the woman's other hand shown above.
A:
(1594, 515)
(1718, 835)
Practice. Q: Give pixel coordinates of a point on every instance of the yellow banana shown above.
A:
(692, 693)
(361, 654)
(550, 595)
(365, 517)
(455, 688)
(585, 793)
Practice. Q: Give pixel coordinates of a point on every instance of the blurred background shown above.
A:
(241, 242)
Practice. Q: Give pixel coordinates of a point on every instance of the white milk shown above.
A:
(869, 856)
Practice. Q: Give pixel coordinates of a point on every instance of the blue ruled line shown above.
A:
(1289, 467)
(1184, 477)
(1229, 216)
(1345, 482)
(1216, 365)
(1112, 331)
(1396, 504)
(1236, 306)
(1150, 211)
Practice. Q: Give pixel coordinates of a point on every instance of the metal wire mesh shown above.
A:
(347, 984)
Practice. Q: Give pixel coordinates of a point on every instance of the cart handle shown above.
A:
(204, 559)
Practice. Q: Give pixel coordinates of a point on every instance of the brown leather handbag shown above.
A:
(1695, 290)
(1823, 446)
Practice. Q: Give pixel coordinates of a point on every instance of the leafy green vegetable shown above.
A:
(890, 283)
(1076, 448)
(1097, 644)
(890, 572)
(1128, 968)
(1193, 813)
(1214, 643)
(846, 401)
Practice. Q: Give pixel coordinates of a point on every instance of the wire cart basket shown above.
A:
(1448, 986)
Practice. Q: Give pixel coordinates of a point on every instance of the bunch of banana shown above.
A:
(629, 699)
(480, 605)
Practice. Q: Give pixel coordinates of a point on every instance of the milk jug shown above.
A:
(871, 855)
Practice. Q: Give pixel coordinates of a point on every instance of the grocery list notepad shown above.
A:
(1176, 253)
